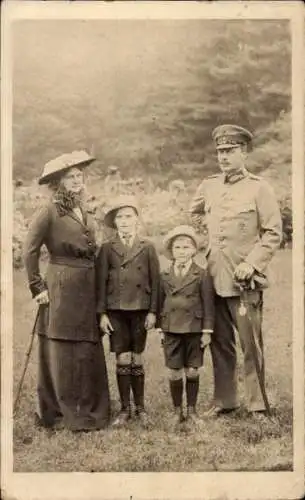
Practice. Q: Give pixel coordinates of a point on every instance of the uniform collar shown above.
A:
(235, 176)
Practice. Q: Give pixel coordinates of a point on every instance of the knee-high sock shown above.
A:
(192, 387)
(176, 390)
(123, 373)
(137, 384)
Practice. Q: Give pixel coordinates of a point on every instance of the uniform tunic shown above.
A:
(73, 384)
(244, 225)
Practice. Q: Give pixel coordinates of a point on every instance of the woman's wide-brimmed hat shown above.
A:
(183, 230)
(122, 201)
(54, 168)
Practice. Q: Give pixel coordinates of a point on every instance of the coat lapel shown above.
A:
(133, 251)
(73, 216)
(118, 246)
(190, 277)
(171, 279)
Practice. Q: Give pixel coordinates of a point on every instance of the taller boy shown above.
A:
(127, 296)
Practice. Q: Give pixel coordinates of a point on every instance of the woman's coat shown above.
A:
(70, 277)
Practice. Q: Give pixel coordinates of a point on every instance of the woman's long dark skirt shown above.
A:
(72, 384)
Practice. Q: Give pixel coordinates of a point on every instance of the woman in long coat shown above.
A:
(72, 380)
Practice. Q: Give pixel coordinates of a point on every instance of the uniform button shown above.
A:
(89, 244)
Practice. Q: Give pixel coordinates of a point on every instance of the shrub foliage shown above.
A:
(150, 108)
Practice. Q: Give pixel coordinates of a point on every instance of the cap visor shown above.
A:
(228, 146)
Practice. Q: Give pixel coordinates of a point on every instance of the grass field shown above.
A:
(228, 443)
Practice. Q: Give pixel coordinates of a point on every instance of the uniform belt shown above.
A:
(72, 261)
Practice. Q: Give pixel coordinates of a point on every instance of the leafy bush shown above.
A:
(287, 221)
(149, 108)
(161, 210)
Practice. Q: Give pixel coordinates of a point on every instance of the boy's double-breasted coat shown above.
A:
(127, 279)
(187, 303)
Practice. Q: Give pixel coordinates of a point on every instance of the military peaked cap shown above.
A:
(230, 136)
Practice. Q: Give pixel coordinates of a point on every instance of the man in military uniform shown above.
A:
(245, 228)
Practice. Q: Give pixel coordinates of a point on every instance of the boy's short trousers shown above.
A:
(182, 350)
(129, 333)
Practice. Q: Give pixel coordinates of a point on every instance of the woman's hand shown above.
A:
(106, 325)
(42, 298)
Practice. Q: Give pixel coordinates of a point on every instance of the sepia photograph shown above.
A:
(153, 233)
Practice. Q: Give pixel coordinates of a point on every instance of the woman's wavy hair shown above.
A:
(54, 184)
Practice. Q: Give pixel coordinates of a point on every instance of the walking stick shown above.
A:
(245, 310)
(27, 359)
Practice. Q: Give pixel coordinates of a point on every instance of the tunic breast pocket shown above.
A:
(245, 216)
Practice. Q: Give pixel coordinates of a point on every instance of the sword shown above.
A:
(244, 311)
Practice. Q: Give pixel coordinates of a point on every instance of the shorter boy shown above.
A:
(128, 277)
(186, 318)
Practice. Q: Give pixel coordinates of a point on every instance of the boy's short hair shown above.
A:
(123, 201)
(183, 230)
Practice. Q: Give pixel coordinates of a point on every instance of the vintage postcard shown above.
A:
(152, 240)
